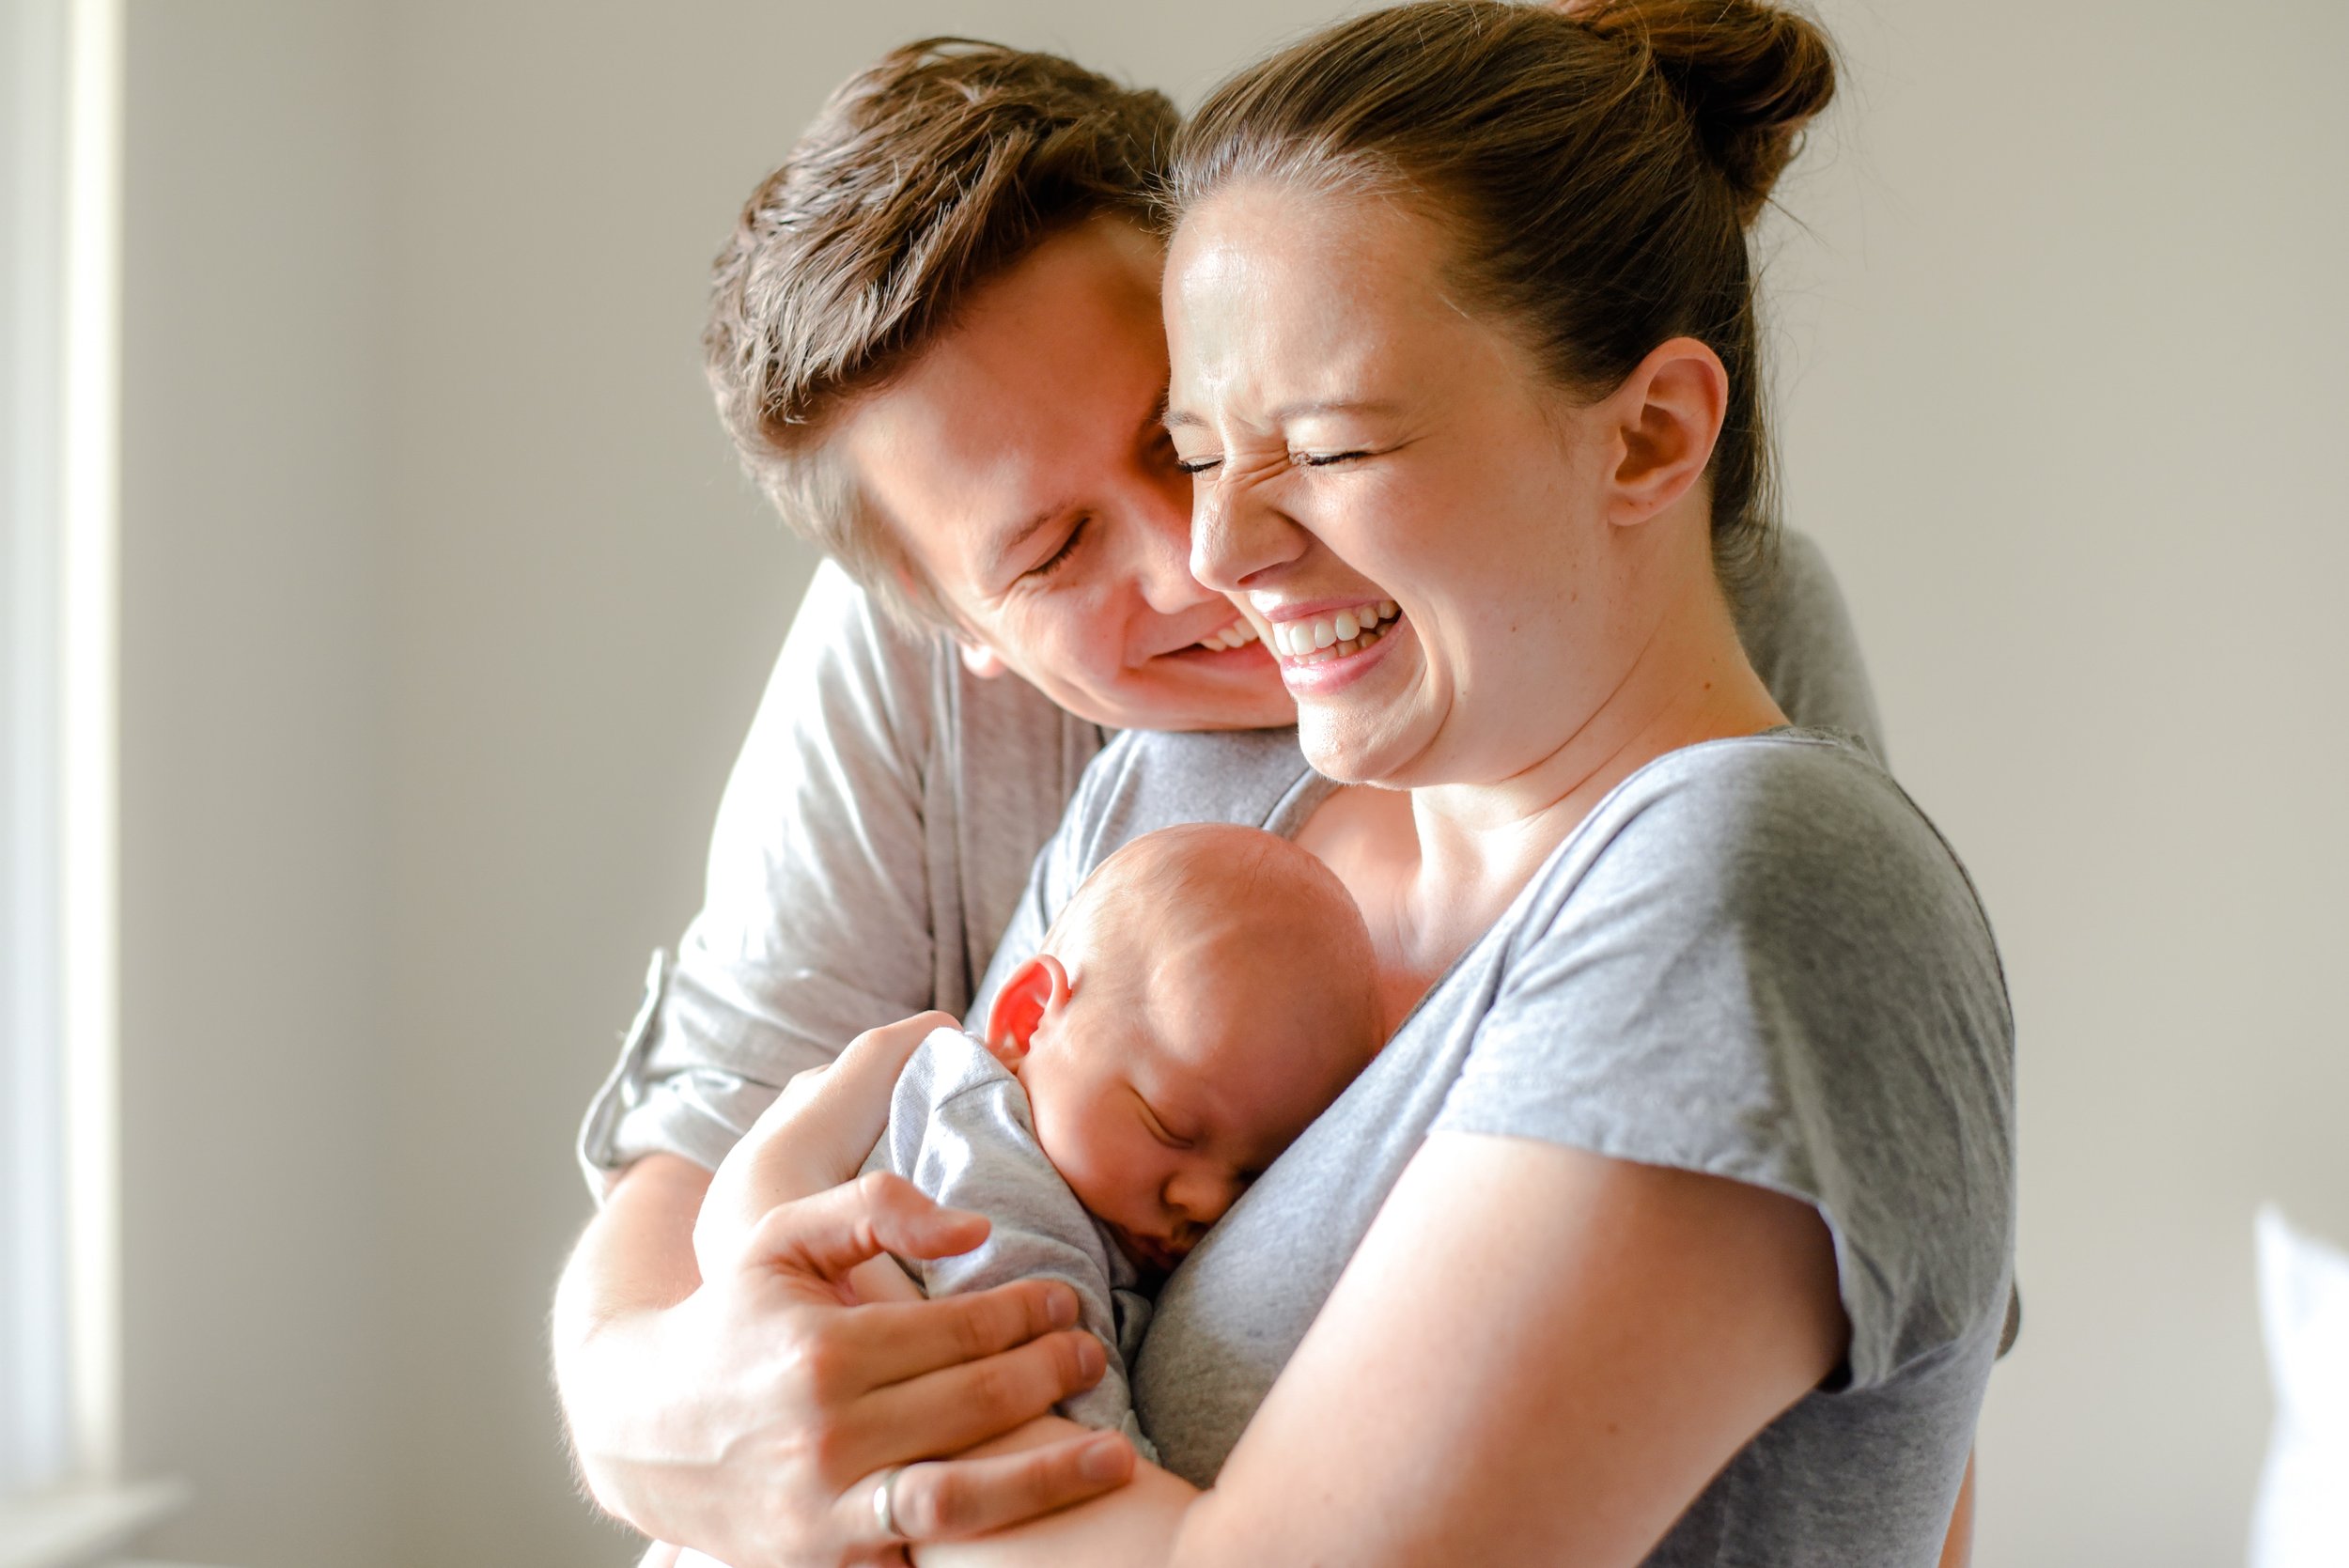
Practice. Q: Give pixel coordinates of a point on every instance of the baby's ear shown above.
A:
(1034, 988)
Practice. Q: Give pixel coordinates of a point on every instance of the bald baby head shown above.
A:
(1205, 993)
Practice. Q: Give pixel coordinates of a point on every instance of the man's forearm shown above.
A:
(637, 1253)
(635, 1259)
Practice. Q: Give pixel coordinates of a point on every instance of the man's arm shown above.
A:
(816, 921)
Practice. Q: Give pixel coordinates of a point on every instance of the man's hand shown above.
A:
(817, 1135)
(751, 1413)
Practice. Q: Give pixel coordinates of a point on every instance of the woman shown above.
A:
(1674, 1224)
(948, 295)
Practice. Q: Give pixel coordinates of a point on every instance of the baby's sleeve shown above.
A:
(973, 1147)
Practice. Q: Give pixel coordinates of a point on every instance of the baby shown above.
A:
(1205, 993)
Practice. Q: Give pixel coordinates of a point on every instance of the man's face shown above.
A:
(1023, 462)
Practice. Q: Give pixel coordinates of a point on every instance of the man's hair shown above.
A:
(925, 176)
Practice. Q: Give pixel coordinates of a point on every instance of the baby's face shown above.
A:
(1177, 1068)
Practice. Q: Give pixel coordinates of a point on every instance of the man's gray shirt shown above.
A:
(879, 825)
(960, 1128)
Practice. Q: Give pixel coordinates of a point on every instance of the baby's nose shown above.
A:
(1201, 1196)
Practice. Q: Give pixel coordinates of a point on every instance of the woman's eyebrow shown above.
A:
(1173, 417)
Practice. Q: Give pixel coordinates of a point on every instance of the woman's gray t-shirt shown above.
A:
(1755, 959)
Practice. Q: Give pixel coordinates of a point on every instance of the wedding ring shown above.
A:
(884, 1504)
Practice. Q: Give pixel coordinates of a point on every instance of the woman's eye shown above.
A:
(1323, 460)
(1197, 465)
(1059, 558)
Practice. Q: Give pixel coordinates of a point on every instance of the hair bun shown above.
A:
(1750, 76)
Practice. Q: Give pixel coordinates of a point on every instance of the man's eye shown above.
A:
(1323, 460)
(1059, 558)
(1197, 465)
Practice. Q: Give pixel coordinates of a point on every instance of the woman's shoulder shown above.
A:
(1782, 895)
(1787, 814)
(1758, 960)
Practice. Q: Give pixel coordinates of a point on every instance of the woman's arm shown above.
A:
(1538, 1354)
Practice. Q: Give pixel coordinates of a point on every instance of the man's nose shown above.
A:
(1162, 553)
(1235, 533)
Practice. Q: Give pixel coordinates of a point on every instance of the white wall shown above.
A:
(445, 609)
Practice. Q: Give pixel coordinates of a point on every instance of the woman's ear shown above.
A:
(1668, 414)
(1034, 990)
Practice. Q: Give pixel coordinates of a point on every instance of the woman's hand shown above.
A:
(750, 1414)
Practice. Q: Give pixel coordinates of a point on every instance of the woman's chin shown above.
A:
(1355, 716)
(1351, 748)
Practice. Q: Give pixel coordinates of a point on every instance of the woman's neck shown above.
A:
(1434, 868)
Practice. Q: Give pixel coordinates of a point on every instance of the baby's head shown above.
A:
(1207, 992)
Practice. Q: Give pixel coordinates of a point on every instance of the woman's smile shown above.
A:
(1323, 652)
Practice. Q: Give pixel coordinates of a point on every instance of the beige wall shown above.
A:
(444, 610)
(260, 1335)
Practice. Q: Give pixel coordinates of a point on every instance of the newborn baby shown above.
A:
(1205, 993)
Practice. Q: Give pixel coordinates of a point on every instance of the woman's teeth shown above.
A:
(1319, 639)
(1237, 635)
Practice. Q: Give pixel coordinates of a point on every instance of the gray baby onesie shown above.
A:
(960, 1129)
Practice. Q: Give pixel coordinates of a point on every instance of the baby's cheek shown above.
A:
(1103, 1183)
(1090, 1168)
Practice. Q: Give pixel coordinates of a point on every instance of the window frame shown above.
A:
(60, 311)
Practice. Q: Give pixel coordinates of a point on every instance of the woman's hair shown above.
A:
(1593, 167)
(925, 176)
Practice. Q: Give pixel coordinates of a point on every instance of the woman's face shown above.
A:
(1383, 475)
